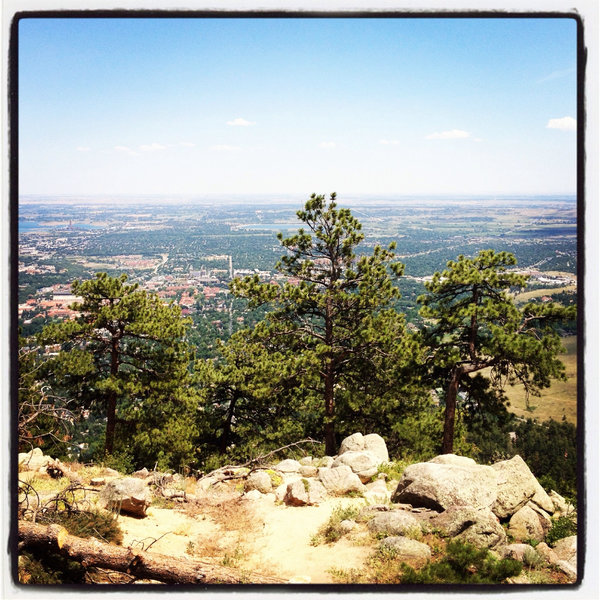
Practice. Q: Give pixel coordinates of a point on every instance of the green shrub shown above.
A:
(561, 528)
(464, 563)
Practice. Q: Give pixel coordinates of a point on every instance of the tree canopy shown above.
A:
(333, 319)
(474, 325)
(126, 356)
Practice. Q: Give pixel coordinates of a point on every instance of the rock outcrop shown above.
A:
(129, 495)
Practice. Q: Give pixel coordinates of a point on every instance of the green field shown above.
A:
(559, 400)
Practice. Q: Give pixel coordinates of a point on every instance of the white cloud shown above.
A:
(239, 122)
(564, 124)
(557, 75)
(186, 145)
(389, 142)
(83, 148)
(327, 145)
(452, 134)
(152, 147)
(126, 150)
(225, 148)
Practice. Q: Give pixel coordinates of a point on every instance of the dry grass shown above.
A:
(526, 296)
(557, 400)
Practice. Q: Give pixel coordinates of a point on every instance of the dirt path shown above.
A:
(252, 535)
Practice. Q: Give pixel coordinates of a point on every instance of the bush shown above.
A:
(464, 563)
(331, 531)
(561, 528)
(85, 524)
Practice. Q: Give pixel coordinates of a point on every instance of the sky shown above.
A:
(356, 106)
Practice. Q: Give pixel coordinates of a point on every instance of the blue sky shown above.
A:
(359, 106)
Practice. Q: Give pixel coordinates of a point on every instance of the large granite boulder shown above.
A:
(516, 486)
(563, 556)
(128, 495)
(340, 480)
(372, 442)
(393, 522)
(561, 506)
(363, 463)
(407, 549)
(439, 486)
(525, 525)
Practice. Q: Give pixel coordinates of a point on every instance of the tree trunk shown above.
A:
(140, 564)
(330, 445)
(449, 414)
(111, 409)
(224, 441)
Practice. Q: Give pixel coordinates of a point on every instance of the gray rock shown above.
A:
(363, 463)
(340, 480)
(352, 443)
(97, 481)
(325, 461)
(476, 526)
(566, 548)
(289, 465)
(525, 525)
(543, 516)
(408, 549)
(308, 471)
(346, 526)
(561, 506)
(393, 522)
(516, 486)
(569, 566)
(258, 480)
(253, 495)
(439, 486)
(306, 460)
(376, 444)
(516, 551)
(129, 494)
(280, 492)
(304, 492)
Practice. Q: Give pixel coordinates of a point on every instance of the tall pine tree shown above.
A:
(126, 355)
(473, 324)
(334, 318)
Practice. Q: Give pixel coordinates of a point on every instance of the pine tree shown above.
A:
(333, 320)
(473, 323)
(127, 356)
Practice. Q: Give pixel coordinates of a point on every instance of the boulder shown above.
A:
(258, 480)
(516, 486)
(97, 481)
(566, 549)
(308, 471)
(439, 486)
(393, 522)
(253, 495)
(325, 461)
(363, 463)
(407, 549)
(306, 460)
(280, 492)
(35, 460)
(129, 495)
(568, 567)
(525, 525)
(352, 443)
(516, 551)
(372, 443)
(141, 474)
(561, 506)
(304, 492)
(289, 465)
(477, 526)
(347, 525)
(543, 516)
(340, 480)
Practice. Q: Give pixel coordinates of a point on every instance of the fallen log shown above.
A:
(138, 563)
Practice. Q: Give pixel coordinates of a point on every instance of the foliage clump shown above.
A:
(331, 531)
(562, 527)
(464, 563)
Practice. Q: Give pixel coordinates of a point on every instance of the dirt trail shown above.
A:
(252, 535)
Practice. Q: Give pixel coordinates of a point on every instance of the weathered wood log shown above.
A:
(140, 564)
